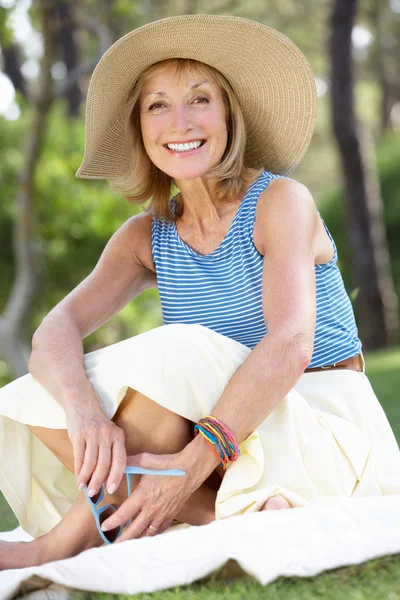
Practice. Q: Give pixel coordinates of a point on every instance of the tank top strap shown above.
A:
(248, 211)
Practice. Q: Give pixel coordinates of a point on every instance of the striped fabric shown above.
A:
(223, 290)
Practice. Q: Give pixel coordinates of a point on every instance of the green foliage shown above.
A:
(76, 218)
(332, 209)
(5, 32)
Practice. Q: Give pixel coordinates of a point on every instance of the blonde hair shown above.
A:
(146, 181)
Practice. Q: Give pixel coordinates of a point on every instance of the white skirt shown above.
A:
(329, 438)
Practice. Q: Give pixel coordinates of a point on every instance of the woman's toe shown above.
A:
(276, 503)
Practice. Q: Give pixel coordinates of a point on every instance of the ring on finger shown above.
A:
(153, 528)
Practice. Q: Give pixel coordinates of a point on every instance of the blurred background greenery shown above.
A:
(53, 227)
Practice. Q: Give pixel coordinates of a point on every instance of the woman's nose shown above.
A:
(181, 121)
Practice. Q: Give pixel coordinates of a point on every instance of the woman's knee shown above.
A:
(151, 427)
(58, 442)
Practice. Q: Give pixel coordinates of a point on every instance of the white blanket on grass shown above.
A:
(295, 542)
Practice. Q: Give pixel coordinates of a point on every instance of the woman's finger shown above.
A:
(118, 465)
(158, 525)
(136, 529)
(130, 509)
(78, 446)
(90, 460)
(102, 467)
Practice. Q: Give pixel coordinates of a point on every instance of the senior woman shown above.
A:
(254, 387)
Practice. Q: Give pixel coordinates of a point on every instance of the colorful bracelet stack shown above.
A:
(218, 435)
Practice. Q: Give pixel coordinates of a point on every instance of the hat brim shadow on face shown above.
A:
(270, 76)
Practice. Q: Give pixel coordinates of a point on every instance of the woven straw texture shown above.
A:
(269, 74)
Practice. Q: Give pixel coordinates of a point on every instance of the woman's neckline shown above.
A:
(218, 249)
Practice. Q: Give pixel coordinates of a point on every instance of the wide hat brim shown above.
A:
(270, 76)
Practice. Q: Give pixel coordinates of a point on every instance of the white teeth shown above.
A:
(184, 147)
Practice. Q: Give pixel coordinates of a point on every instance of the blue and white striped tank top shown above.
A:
(223, 290)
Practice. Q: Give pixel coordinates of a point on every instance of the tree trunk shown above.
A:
(13, 346)
(11, 55)
(12, 68)
(376, 303)
(381, 70)
(69, 51)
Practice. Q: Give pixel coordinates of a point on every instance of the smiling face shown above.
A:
(176, 111)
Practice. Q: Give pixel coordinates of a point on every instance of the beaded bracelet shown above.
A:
(222, 441)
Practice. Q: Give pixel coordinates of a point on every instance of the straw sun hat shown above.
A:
(269, 74)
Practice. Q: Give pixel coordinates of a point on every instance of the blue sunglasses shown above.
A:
(103, 513)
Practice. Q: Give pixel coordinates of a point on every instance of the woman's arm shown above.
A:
(56, 361)
(57, 358)
(287, 224)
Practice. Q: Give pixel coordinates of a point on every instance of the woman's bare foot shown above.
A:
(16, 555)
(77, 531)
(276, 503)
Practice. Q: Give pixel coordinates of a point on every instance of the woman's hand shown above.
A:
(157, 499)
(99, 449)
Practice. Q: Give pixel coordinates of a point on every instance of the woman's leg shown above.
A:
(148, 427)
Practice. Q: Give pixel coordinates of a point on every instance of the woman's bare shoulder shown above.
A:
(270, 200)
(137, 230)
(289, 201)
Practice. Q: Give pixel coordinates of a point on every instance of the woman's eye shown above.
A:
(155, 105)
(202, 99)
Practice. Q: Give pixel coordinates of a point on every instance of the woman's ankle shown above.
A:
(200, 508)
(18, 555)
(55, 545)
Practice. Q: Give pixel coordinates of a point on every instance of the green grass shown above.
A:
(377, 579)
(383, 370)
(7, 519)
